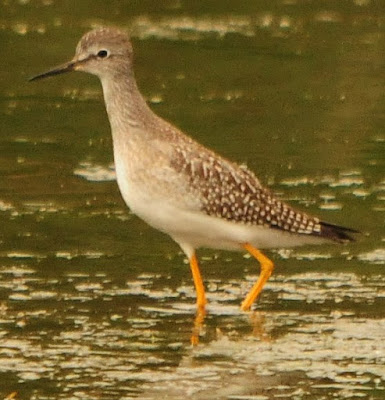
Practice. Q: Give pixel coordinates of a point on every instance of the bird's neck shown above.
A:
(126, 107)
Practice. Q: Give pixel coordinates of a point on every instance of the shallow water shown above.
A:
(94, 304)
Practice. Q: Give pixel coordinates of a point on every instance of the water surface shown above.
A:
(94, 304)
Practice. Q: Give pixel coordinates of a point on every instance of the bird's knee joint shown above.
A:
(267, 265)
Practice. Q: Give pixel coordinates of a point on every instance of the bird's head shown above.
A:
(102, 52)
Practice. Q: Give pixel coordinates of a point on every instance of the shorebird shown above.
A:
(180, 187)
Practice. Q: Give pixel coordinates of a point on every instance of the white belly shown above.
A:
(193, 229)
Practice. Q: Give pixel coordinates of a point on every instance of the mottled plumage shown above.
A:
(233, 192)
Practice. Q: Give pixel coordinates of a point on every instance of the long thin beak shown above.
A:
(61, 69)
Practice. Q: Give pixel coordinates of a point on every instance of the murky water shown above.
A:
(94, 304)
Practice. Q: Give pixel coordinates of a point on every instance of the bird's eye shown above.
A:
(102, 53)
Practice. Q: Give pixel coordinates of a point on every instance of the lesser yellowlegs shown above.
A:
(178, 186)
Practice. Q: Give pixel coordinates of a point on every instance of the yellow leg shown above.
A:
(198, 324)
(201, 300)
(11, 396)
(201, 296)
(267, 267)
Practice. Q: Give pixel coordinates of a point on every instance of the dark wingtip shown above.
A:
(337, 233)
(33, 78)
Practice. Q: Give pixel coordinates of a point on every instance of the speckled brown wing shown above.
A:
(233, 192)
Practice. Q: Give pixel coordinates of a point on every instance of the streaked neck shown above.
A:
(125, 105)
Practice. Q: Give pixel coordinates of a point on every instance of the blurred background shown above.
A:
(95, 304)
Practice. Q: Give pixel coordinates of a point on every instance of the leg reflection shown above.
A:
(257, 322)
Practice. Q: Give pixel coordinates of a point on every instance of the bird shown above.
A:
(178, 186)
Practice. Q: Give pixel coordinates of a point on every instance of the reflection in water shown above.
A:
(324, 350)
(314, 357)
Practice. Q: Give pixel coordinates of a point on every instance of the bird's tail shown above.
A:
(337, 233)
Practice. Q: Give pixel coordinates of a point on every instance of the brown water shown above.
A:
(94, 304)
